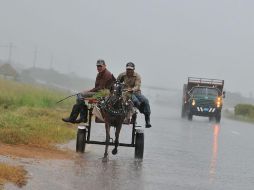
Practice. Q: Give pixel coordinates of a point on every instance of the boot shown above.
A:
(68, 120)
(74, 114)
(141, 107)
(83, 115)
(147, 118)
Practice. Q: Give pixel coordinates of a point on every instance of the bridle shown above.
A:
(114, 104)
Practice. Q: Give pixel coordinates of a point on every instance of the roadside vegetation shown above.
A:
(14, 174)
(30, 116)
(242, 112)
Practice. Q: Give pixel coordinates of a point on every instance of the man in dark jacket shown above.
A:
(104, 80)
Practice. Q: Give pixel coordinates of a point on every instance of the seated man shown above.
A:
(132, 83)
(104, 80)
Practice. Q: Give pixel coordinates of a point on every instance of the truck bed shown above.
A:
(216, 83)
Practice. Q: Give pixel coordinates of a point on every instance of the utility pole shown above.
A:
(35, 56)
(10, 47)
(10, 52)
(51, 61)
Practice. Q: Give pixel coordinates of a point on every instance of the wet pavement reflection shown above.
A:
(213, 163)
(179, 155)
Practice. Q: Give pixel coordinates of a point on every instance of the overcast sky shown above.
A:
(168, 40)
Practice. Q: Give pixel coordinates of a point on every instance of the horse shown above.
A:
(115, 109)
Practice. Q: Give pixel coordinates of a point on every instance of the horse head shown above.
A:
(117, 89)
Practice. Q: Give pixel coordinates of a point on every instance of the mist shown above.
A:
(167, 40)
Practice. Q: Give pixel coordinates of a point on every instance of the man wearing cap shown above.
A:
(104, 80)
(132, 83)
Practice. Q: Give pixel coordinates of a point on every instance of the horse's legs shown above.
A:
(107, 128)
(118, 129)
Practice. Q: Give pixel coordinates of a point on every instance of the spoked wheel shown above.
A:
(139, 145)
(81, 140)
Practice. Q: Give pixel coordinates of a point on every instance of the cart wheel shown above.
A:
(81, 140)
(139, 145)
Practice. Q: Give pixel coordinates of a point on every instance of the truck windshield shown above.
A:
(205, 91)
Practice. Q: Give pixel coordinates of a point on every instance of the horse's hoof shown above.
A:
(114, 151)
(105, 159)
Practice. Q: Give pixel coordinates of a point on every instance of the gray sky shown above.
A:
(168, 40)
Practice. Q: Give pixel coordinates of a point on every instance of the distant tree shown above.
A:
(7, 70)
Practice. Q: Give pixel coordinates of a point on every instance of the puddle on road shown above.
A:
(74, 171)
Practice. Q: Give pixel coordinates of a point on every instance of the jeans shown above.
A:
(139, 99)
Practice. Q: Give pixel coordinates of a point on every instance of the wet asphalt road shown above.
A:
(178, 155)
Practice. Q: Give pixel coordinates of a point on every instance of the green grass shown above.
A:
(236, 117)
(29, 115)
(18, 94)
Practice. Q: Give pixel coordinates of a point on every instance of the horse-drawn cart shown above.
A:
(84, 132)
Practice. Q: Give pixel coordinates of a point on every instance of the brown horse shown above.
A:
(115, 109)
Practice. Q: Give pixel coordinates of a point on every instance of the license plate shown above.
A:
(206, 109)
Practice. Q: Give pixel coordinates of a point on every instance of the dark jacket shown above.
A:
(104, 80)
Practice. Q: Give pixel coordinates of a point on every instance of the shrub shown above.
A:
(244, 110)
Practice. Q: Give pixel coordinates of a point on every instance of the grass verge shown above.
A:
(14, 174)
(29, 116)
(40, 127)
(242, 118)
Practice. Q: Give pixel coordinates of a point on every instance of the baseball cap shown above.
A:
(100, 62)
(130, 65)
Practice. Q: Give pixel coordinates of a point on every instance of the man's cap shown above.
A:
(130, 65)
(100, 62)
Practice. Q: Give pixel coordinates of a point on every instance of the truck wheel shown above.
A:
(190, 117)
(139, 144)
(183, 114)
(81, 140)
(218, 118)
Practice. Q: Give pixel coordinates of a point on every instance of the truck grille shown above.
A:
(205, 103)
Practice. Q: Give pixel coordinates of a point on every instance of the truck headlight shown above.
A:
(218, 102)
(193, 103)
